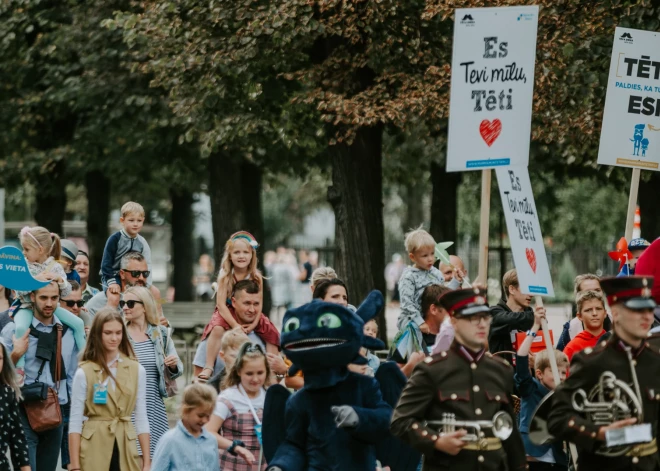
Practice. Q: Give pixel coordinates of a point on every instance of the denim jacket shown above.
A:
(531, 392)
(156, 334)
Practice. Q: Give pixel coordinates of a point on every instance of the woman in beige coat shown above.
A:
(107, 388)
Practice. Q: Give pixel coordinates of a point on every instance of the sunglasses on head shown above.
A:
(69, 303)
(130, 303)
(137, 273)
(249, 347)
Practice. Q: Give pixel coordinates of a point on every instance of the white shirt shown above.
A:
(239, 401)
(79, 395)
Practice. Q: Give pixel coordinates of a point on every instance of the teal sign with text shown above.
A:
(14, 272)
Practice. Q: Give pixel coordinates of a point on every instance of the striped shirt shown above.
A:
(158, 424)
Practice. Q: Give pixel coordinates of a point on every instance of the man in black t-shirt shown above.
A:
(433, 316)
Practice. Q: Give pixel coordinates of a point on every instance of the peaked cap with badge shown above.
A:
(473, 386)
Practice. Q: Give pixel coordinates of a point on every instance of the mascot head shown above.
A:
(320, 335)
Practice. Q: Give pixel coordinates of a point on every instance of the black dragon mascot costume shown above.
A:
(335, 420)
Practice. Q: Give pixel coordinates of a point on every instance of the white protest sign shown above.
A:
(522, 223)
(630, 136)
(492, 86)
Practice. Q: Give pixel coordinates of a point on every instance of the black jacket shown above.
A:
(504, 321)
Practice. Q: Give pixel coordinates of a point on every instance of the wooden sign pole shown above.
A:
(632, 203)
(484, 222)
(553, 366)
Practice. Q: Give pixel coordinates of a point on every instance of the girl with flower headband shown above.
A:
(239, 262)
(42, 251)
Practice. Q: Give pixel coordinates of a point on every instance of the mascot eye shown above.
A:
(329, 320)
(292, 324)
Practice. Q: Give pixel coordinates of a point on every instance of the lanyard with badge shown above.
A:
(257, 424)
(101, 388)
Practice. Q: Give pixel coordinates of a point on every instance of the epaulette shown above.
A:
(653, 343)
(499, 360)
(589, 352)
(429, 360)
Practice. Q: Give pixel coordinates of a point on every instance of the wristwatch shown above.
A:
(234, 444)
(530, 333)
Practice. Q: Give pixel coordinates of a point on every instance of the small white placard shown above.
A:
(629, 435)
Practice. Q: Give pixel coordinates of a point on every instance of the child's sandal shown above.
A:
(203, 378)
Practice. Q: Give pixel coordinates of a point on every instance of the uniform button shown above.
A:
(428, 360)
(473, 366)
(570, 423)
(497, 398)
(415, 426)
(480, 458)
(634, 362)
(434, 437)
(453, 397)
(443, 354)
(593, 434)
(477, 411)
(635, 460)
(657, 397)
(424, 433)
(582, 428)
(475, 388)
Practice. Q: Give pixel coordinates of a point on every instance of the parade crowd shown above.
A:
(85, 372)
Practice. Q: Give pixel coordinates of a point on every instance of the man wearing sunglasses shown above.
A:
(468, 383)
(133, 272)
(74, 304)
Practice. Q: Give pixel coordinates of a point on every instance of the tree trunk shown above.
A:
(51, 199)
(182, 244)
(444, 203)
(356, 197)
(413, 200)
(648, 206)
(251, 184)
(98, 211)
(226, 205)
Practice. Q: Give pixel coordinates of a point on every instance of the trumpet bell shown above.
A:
(502, 425)
(538, 426)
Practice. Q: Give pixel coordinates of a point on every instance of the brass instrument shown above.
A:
(610, 400)
(501, 426)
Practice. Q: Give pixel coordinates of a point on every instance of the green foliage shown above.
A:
(565, 279)
(287, 201)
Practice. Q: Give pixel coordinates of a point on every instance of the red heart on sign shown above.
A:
(490, 130)
(531, 258)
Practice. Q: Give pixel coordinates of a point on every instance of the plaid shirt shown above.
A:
(240, 427)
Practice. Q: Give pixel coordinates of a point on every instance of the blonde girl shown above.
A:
(189, 446)
(42, 250)
(155, 351)
(239, 409)
(239, 262)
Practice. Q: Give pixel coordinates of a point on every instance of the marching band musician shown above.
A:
(631, 358)
(469, 383)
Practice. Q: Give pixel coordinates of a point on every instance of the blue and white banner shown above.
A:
(630, 136)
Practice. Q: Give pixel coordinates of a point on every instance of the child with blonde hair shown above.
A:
(42, 249)
(239, 263)
(420, 246)
(189, 443)
(236, 420)
(128, 239)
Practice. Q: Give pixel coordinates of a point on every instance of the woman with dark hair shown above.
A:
(11, 431)
(332, 291)
(109, 386)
